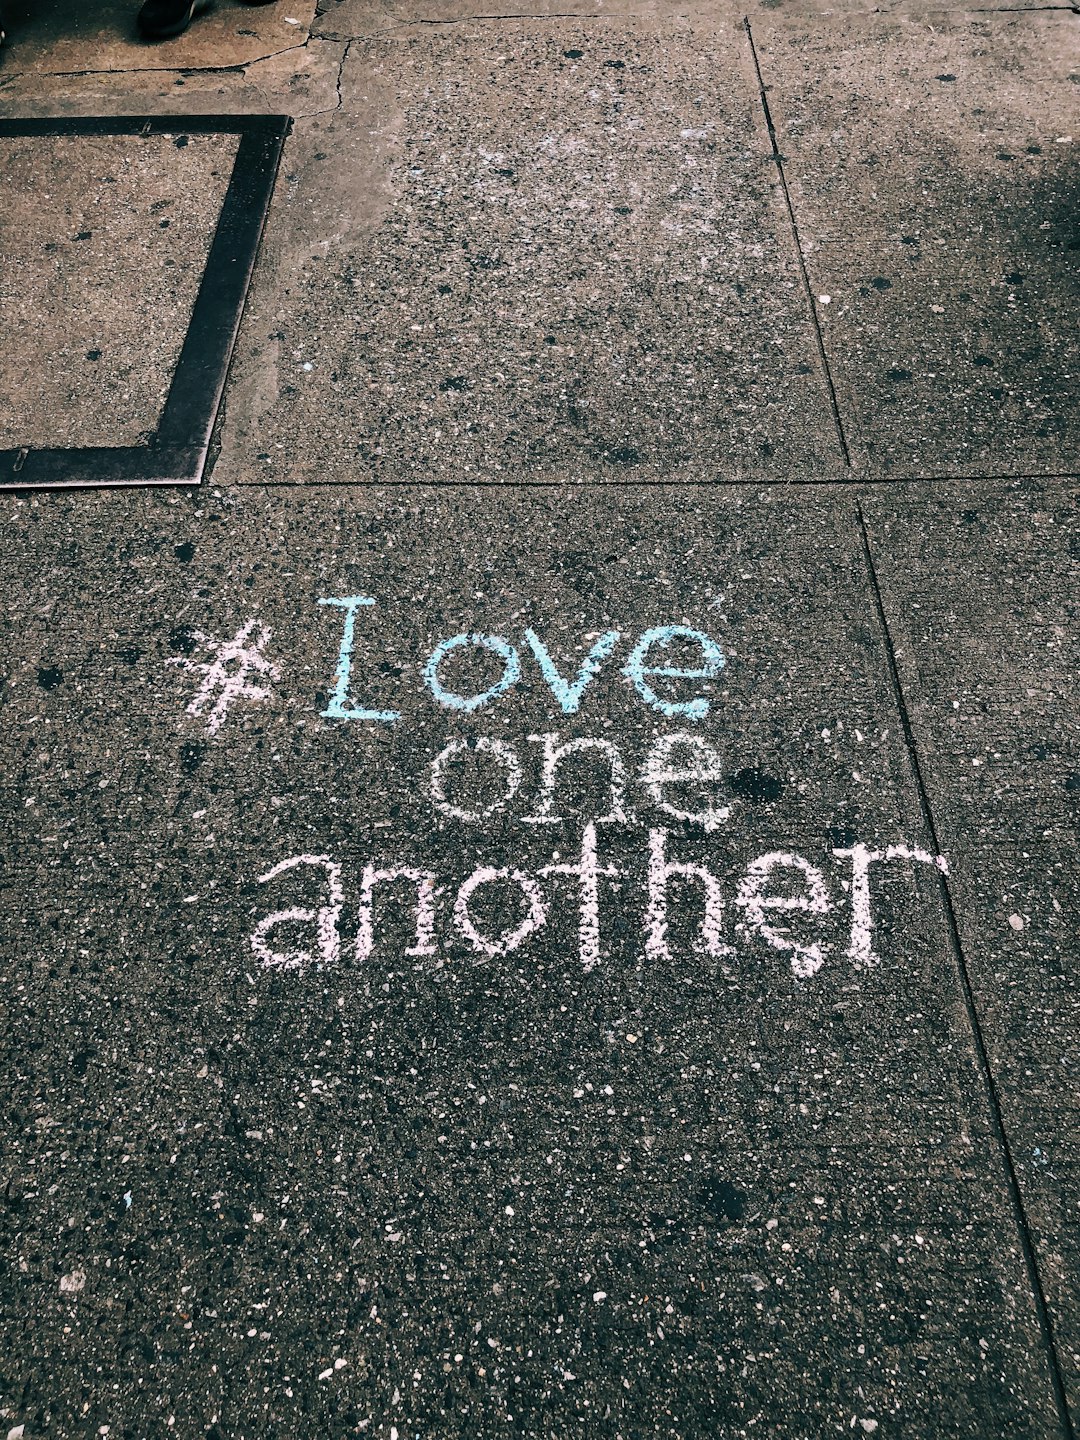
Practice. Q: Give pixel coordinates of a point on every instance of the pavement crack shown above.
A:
(993, 1100)
(273, 54)
(778, 161)
(340, 73)
(240, 69)
(339, 103)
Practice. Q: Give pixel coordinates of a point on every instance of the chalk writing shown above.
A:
(554, 753)
(861, 947)
(661, 871)
(673, 763)
(588, 872)
(779, 900)
(806, 960)
(568, 694)
(507, 759)
(339, 707)
(640, 673)
(325, 919)
(768, 910)
(497, 645)
(227, 677)
(535, 915)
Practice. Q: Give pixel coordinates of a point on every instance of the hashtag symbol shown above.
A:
(229, 676)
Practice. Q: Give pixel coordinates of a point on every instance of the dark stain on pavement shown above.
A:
(182, 639)
(720, 1199)
(622, 455)
(756, 786)
(192, 754)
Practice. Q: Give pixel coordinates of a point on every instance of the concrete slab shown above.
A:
(559, 1163)
(296, 82)
(535, 258)
(980, 592)
(932, 174)
(65, 37)
(105, 240)
(355, 18)
(150, 92)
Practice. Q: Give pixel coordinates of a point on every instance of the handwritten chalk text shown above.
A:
(776, 901)
(641, 669)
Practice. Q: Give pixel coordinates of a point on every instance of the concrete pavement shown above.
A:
(541, 897)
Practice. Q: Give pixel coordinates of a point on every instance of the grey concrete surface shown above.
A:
(606, 1186)
(104, 241)
(933, 174)
(988, 670)
(354, 18)
(301, 82)
(583, 1157)
(563, 259)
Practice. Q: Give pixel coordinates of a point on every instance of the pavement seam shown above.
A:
(339, 103)
(240, 69)
(778, 161)
(765, 482)
(997, 1121)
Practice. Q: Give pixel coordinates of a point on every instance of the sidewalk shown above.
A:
(543, 892)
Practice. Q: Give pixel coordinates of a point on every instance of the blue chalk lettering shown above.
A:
(497, 645)
(339, 707)
(569, 696)
(637, 670)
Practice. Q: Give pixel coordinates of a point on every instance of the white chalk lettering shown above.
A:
(704, 768)
(508, 940)
(806, 960)
(774, 889)
(426, 891)
(588, 872)
(661, 870)
(227, 677)
(553, 754)
(506, 757)
(325, 919)
(861, 949)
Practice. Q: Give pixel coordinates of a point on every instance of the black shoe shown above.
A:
(162, 19)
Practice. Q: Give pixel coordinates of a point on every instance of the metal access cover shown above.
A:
(128, 248)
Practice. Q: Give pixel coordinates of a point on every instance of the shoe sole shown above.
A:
(169, 32)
